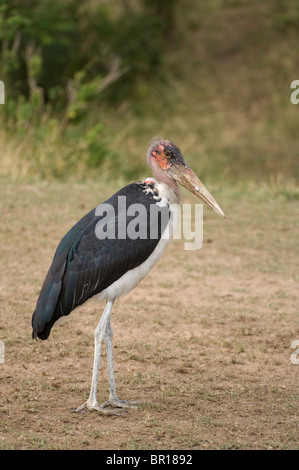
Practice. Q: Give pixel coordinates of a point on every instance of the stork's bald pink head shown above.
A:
(168, 165)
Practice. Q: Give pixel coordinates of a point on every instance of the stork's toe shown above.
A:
(121, 403)
(95, 407)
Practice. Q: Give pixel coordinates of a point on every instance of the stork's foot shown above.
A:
(121, 403)
(96, 407)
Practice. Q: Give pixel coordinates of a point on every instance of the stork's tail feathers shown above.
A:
(45, 314)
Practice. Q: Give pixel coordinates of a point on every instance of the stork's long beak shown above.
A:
(183, 174)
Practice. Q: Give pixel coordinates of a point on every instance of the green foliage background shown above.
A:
(88, 84)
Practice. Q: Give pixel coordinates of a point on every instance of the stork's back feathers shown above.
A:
(84, 265)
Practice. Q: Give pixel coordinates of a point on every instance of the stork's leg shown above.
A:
(99, 336)
(113, 398)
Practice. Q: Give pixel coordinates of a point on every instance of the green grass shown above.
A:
(224, 98)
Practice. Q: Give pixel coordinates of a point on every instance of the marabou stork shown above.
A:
(86, 264)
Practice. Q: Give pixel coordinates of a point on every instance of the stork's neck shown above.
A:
(162, 177)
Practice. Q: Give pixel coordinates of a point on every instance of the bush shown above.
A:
(65, 63)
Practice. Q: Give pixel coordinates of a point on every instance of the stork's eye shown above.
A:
(167, 153)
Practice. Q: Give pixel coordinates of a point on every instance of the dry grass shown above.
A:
(204, 340)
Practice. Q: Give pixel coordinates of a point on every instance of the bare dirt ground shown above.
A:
(204, 340)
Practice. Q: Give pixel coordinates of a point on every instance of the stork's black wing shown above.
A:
(85, 265)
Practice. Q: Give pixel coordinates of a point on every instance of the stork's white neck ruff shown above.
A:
(167, 194)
